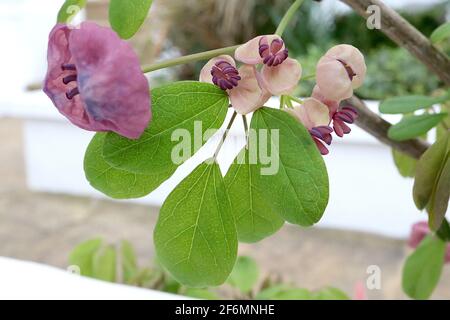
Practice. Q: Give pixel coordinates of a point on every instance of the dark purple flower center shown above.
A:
(350, 72)
(71, 76)
(341, 118)
(273, 54)
(347, 114)
(322, 133)
(225, 75)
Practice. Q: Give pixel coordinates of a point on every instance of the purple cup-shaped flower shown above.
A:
(95, 80)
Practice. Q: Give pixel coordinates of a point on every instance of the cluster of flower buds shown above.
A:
(266, 70)
(341, 70)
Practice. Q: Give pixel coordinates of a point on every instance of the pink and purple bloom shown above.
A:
(315, 116)
(243, 85)
(340, 116)
(95, 80)
(279, 73)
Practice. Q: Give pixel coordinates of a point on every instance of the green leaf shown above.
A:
(428, 171)
(83, 256)
(127, 16)
(201, 294)
(441, 33)
(437, 207)
(105, 264)
(113, 182)
(128, 261)
(330, 294)
(408, 104)
(245, 274)
(178, 108)
(298, 189)
(414, 126)
(255, 219)
(444, 231)
(282, 292)
(423, 268)
(69, 10)
(195, 237)
(405, 164)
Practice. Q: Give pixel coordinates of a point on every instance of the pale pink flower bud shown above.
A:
(339, 71)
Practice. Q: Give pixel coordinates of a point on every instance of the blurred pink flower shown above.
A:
(418, 232)
(360, 291)
(95, 80)
(280, 74)
(339, 71)
(315, 116)
(243, 85)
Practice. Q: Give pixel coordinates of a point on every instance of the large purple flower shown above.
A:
(95, 80)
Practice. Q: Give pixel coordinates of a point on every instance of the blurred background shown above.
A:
(47, 207)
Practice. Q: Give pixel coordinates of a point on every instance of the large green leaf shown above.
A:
(69, 9)
(177, 108)
(423, 268)
(245, 274)
(104, 267)
(405, 164)
(428, 171)
(441, 33)
(414, 126)
(113, 182)
(299, 189)
(407, 104)
(255, 219)
(127, 16)
(195, 237)
(83, 256)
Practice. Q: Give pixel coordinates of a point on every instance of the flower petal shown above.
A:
(115, 92)
(205, 73)
(249, 52)
(283, 78)
(331, 104)
(354, 58)
(312, 113)
(333, 80)
(248, 95)
(58, 54)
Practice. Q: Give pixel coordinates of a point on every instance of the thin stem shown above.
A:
(225, 134)
(288, 17)
(298, 100)
(244, 120)
(281, 101)
(309, 76)
(189, 58)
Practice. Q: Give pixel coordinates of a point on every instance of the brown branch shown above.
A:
(407, 36)
(372, 123)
